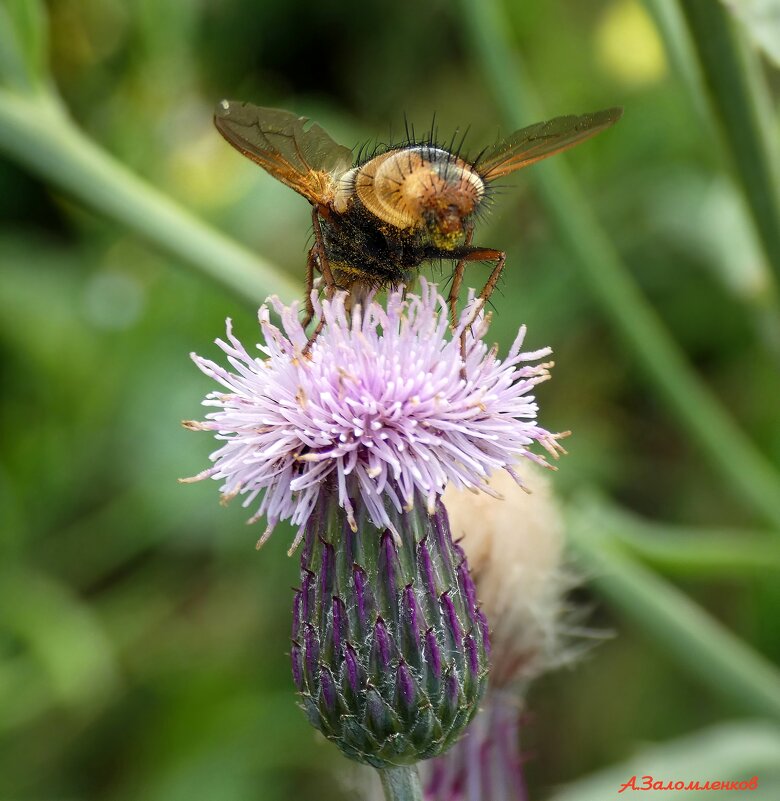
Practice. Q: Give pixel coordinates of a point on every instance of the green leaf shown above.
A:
(693, 551)
(37, 133)
(729, 752)
(700, 644)
(761, 19)
(23, 45)
(740, 102)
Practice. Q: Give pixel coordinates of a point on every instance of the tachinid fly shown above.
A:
(377, 221)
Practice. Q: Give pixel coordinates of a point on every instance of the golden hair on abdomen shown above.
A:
(399, 186)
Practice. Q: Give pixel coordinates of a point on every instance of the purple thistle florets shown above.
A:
(384, 395)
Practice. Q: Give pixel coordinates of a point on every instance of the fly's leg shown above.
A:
(482, 254)
(319, 243)
(310, 264)
(318, 252)
(485, 254)
(484, 296)
(313, 337)
(457, 280)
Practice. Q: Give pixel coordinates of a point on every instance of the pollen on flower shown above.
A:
(385, 395)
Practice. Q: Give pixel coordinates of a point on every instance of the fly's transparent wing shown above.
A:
(294, 150)
(537, 142)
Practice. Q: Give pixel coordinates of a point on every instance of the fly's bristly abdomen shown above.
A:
(420, 187)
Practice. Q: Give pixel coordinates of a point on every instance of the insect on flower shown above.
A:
(376, 221)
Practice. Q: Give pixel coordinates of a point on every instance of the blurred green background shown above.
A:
(142, 639)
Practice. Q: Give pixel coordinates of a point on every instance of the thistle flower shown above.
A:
(383, 396)
(355, 443)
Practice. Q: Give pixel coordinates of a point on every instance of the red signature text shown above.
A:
(650, 783)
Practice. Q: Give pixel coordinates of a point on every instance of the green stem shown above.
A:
(762, 297)
(635, 321)
(690, 551)
(38, 133)
(401, 783)
(679, 50)
(699, 644)
(740, 102)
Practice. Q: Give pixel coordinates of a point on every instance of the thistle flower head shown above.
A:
(389, 647)
(384, 395)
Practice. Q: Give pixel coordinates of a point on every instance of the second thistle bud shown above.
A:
(389, 645)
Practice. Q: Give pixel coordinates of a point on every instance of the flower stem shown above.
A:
(36, 131)
(747, 470)
(401, 783)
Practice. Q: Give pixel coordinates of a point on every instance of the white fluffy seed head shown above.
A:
(515, 547)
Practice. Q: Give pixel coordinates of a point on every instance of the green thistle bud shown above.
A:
(389, 648)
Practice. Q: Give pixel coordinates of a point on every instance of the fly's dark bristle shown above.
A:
(478, 158)
(459, 149)
(450, 150)
(428, 143)
(480, 214)
(370, 149)
(489, 194)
